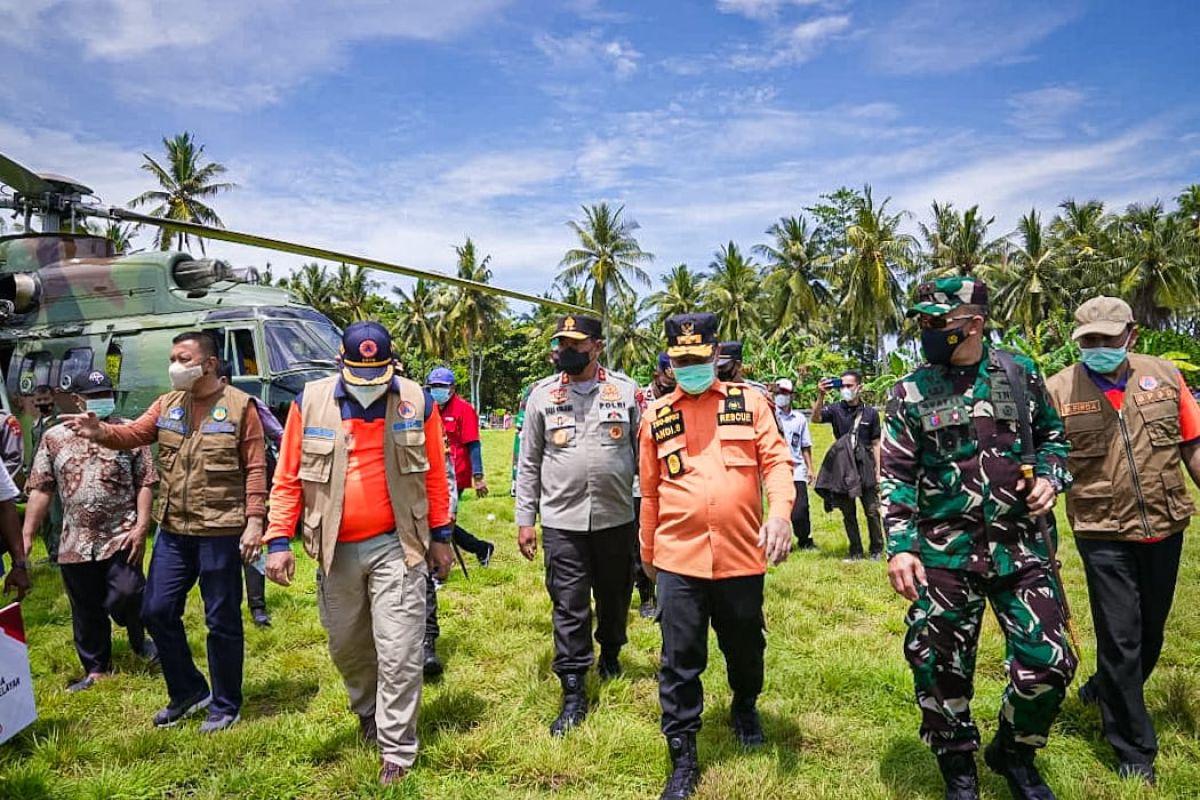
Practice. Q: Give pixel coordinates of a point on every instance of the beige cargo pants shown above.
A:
(373, 607)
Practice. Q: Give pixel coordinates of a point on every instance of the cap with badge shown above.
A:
(91, 381)
(946, 294)
(366, 354)
(578, 327)
(784, 385)
(1105, 316)
(691, 335)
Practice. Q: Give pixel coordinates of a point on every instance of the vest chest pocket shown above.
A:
(410, 449)
(316, 460)
(1087, 435)
(738, 445)
(169, 443)
(224, 486)
(1161, 419)
(560, 431)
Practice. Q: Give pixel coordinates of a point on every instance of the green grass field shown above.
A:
(838, 706)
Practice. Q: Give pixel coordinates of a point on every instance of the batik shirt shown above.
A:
(952, 463)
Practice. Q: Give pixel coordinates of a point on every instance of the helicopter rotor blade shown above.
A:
(21, 179)
(253, 240)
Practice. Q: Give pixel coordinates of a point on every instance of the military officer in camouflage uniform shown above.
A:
(578, 458)
(962, 532)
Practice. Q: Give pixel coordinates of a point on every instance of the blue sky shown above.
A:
(397, 128)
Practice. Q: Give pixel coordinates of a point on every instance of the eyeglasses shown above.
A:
(930, 322)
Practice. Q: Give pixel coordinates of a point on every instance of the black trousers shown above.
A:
(870, 503)
(801, 524)
(256, 588)
(644, 586)
(97, 591)
(686, 606)
(1131, 587)
(580, 565)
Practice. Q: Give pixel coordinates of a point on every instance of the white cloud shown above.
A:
(589, 50)
(761, 9)
(794, 44)
(938, 36)
(225, 54)
(1044, 113)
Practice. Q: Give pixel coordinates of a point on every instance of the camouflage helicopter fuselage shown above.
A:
(75, 306)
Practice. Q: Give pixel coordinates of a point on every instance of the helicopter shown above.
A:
(70, 303)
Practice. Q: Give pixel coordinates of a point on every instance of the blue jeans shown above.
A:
(177, 563)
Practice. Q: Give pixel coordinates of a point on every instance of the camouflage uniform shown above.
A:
(951, 450)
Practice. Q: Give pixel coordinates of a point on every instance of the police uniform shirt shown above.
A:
(794, 427)
(579, 454)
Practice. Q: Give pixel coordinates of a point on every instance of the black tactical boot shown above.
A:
(574, 704)
(1014, 761)
(609, 665)
(743, 715)
(432, 666)
(958, 771)
(685, 772)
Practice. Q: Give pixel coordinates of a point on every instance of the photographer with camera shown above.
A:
(851, 467)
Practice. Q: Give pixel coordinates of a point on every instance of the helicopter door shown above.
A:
(241, 353)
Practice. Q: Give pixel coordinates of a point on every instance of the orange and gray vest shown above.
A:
(1127, 484)
(203, 481)
(323, 468)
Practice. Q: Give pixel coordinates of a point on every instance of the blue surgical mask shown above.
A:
(1104, 360)
(102, 407)
(441, 394)
(695, 378)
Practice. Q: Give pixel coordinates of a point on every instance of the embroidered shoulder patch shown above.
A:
(668, 425)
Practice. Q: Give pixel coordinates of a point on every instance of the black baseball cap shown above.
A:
(691, 335)
(578, 327)
(89, 382)
(729, 351)
(366, 354)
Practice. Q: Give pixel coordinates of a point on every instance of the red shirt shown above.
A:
(461, 424)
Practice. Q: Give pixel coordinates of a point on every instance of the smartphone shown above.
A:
(834, 383)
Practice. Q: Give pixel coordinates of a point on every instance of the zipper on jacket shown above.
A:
(1137, 481)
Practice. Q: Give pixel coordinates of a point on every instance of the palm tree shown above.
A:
(420, 321)
(1082, 230)
(1189, 208)
(682, 293)
(869, 271)
(631, 342)
(957, 244)
(734, 292)
(471, 315)
(313, 287)
(608, 256)
(1156, 263)
(354, 293)
(185, 183)
(1031, 281)
(795, 278)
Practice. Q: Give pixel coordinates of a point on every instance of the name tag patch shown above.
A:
(319, 433)
(668, 425)
(217, 427)
(1155, 396)
(735, 418)
(171, 425)
(1089, 407)
(406, 425)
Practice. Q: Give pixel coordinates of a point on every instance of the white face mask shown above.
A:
(783, 400)
(366, 395)
(849, 394)
(184, 377)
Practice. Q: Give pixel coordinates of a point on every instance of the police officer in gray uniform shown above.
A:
(576, 467)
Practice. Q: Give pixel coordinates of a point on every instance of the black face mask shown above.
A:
(727, 373)
(45, 410)
(939, 344)
(573, 362)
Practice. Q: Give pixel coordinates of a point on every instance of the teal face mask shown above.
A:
(102, 407)
(695, 378)
(1104, 360)
(441, 394)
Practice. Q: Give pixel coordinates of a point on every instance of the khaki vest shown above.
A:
(1125, 465)
(323, 469)
(203, 491)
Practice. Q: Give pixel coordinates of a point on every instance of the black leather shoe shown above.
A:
(1133, 770)
(960, 775)
(685, 768)
(367, 730)
(574, 705)
(609, 665)
(747, 728)
(260, 617)
(1014, 762)
(432, 665)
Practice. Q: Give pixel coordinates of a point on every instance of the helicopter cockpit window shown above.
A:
(292, 344)
(35, 371)
(241, 352)
(77, 360)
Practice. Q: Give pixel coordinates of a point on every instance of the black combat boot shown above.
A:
(432, 666)
(958, 771)
(685, 772)
(1014, 761)
(574, 704)
(743, 716)
(609, 665)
